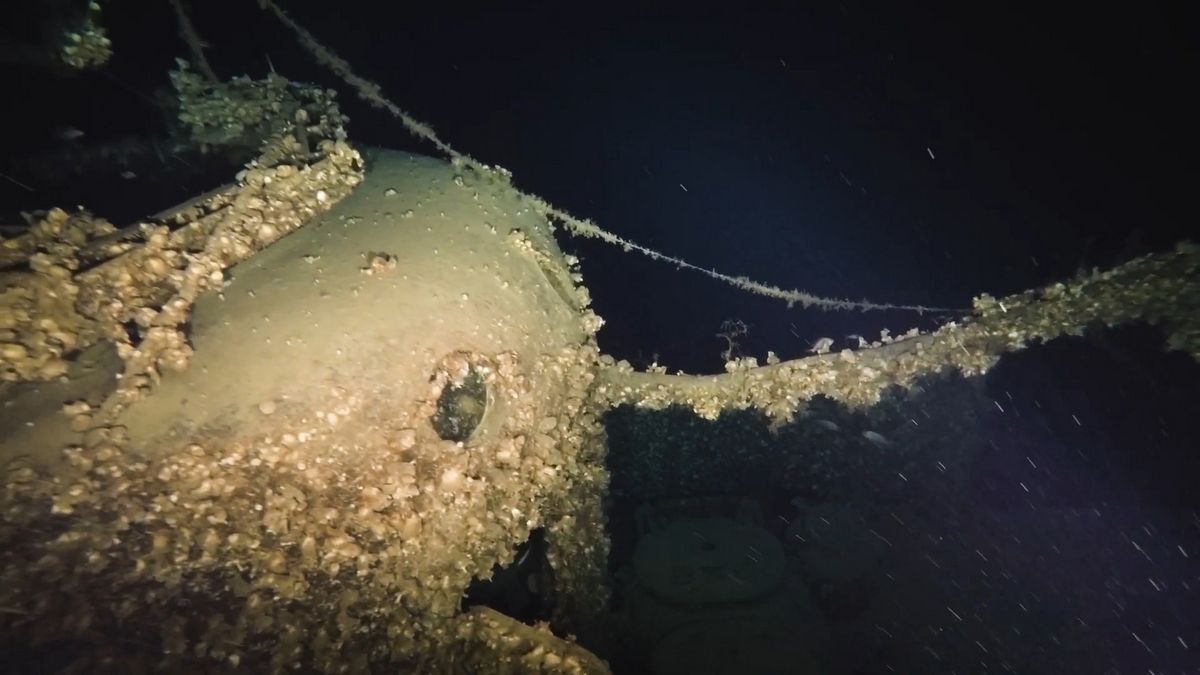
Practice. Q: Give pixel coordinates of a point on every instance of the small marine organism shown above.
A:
(821, 346)
(828, 425)
(877, 439)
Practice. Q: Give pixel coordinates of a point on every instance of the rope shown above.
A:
(372, 93)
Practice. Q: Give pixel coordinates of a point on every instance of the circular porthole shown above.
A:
(460, 407)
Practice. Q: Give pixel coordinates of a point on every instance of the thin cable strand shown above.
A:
(372, 93)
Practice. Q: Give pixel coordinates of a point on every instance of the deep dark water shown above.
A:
(1042, 519)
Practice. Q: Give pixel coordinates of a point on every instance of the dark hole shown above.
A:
(131, 330)
(460, 408)
(523, 589)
